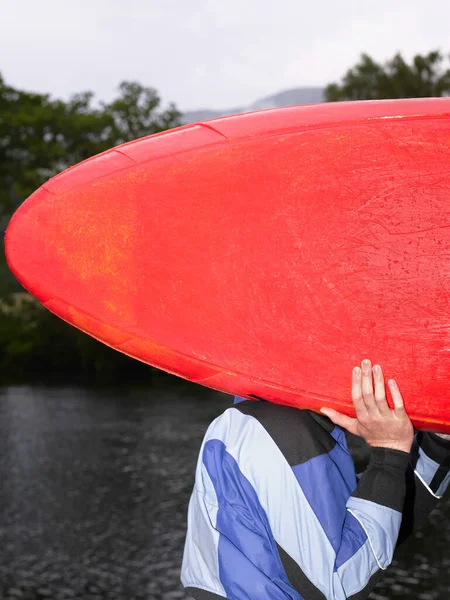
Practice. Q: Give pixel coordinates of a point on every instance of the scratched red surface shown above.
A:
(264, 254)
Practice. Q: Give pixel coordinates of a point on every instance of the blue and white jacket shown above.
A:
(278, 512)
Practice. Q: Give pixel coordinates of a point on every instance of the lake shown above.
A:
(94, 490)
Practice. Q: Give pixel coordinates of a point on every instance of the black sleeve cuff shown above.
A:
(384, 480)
(434, 447)
(397, 459)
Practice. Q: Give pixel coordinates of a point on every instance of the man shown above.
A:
(278, 512)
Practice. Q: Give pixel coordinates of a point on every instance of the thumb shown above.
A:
(341, 420)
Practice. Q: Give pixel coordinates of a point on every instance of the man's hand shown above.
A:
(375, 422)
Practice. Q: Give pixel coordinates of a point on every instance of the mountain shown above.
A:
(309, 95)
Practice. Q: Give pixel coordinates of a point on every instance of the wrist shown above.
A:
(392, 457)
(399, 447)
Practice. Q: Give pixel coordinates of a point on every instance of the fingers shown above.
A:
(399, 407)
(364, 398)
(380, 391)
(340, 419)
(367, 387)
(357, 398)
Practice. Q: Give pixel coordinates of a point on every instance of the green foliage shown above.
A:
(35, 345)
(135, 113)
(39, 137)
(368, 80)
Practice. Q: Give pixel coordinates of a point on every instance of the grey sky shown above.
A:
(206, 53)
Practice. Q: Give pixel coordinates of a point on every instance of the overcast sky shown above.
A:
(206, 53)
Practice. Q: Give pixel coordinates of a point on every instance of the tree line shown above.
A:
(41, 136)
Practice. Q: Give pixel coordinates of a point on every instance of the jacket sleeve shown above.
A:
(374, 510)
(411, 485)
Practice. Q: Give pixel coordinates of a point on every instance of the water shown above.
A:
(94, 492)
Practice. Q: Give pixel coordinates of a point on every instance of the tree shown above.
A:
(40, 137)
(135, 113)
(368, 80)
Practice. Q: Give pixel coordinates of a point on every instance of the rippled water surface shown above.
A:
(94, 487)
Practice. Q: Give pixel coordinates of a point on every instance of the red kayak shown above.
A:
(263, 254)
